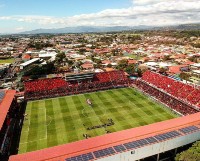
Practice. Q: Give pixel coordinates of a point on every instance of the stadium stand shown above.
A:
(46, 88)
(181, 97)
(173, 87)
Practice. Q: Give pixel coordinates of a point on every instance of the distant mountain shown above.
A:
(180, 27)
(91, 29)
(85, 29)
(187, 27)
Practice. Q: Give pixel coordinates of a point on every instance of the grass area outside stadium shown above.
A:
(4, 61)
(61, 120)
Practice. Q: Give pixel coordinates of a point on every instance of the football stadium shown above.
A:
(100, 116)
(57, 121)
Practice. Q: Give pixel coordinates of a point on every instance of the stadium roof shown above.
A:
(5, 105)
(29, 62)
(100, 142)
(196, 65)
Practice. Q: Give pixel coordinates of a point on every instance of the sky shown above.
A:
(24, 15)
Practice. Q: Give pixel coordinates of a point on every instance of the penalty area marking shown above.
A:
(29, 122)
(45, 134)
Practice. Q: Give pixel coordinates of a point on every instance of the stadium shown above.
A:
(99, 116)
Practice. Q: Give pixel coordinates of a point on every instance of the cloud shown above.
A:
(6, 18)
(142, 12)
(149, 2)
(19, 28)
(145, 2)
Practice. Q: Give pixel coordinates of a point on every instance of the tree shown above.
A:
(116, 52)
(139, 71)
(192, 154)
(122, 64)
(109, 65)
(82, 50)
(60, 58)
(163, 70)
(36, 69)
(184, 76)
(98, 61)
(193, 59)
(130, 69)
(166, 57)
(142, 68)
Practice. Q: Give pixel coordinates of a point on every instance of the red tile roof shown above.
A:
(106, 62)
(130, 61)
(26, 56)
(87, 66)
(5, 105)
(176, 69)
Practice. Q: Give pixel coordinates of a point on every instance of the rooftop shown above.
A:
(5, 105)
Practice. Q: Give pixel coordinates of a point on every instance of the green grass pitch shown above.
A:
(61, 120)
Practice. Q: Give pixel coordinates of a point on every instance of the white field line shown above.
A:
(29, 122)
(33, 141)
(45, 113)
(46, 129)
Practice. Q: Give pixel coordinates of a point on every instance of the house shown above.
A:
(26, 57)
(132, 61)
(177, 69)
(108, 69)
(87, 66)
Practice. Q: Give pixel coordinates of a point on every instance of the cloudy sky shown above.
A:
(23, 15)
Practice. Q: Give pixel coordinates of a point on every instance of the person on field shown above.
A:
(89, 102)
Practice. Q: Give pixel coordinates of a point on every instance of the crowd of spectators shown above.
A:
(170, 101)
(181, 97)
(46, 88)
(182, 91)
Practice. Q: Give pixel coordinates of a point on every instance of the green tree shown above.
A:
(109, 65)
(193, 59)
(60, 58)
(184, 76)
(122, 64)
(98, 61)
(163, 70)
(130, 69)
(82, 50)
(37, 69)
(139, 71)
(166, 57)
(192, 154)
